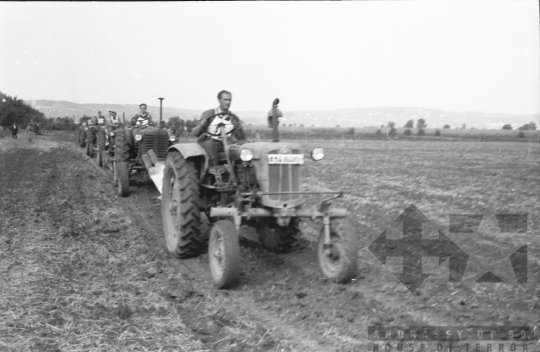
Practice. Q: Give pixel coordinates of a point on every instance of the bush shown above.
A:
(507, 127)
(521, 134)
(437, 133)
(446, 126)
(378, 131)
(407, 132)
(421, 132)
(350, 130)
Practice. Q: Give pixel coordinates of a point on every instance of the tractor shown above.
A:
(256, 184)
(138, 149)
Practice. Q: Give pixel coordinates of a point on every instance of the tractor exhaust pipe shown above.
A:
(275, 123)
(160, 111)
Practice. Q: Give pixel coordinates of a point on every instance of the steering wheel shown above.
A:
(221, 124)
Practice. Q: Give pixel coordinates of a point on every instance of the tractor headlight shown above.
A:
(138, 137)
(317, 154)
(246, 154)
(172, 138)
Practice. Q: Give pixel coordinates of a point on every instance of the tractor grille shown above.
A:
(158, 142)
(284, 178)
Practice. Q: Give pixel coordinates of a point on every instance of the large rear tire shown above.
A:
(279, 239)
(338, 259)
(101, 153)
(90, 136)
(224, 254)
(121, 147)
(122, 178)
(180, 207)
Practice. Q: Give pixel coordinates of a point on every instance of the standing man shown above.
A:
(209, 127)
(14, 131)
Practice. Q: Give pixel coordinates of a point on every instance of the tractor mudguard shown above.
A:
(193, 151)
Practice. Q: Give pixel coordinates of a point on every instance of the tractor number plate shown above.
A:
(285, 158)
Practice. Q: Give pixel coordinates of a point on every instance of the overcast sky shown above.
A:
(450, 55)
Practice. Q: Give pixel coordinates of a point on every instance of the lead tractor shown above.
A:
(138, 149)
(256, 184)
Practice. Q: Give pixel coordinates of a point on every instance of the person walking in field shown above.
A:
(14, 131)
(30, 130)
(210, 124)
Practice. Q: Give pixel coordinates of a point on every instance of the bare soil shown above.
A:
(82, 269)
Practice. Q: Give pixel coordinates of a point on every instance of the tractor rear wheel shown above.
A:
(122, 178)
(101, 146)
(82, 138)
(121, 147)
(338, 259)
(224, 254)
(180, 207)
(279, 239)
(90, 135)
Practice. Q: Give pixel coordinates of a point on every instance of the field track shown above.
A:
(82, 269)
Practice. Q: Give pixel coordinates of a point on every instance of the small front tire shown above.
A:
(224, 254)
(338, 259)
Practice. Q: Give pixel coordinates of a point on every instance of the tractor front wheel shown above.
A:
(338, 259)
(224, 254)
(180, 207)
(122, 178)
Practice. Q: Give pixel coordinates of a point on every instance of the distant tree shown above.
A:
(301, 125)
(521, 134)
(421, 124)
(409, 124)
(446, 126)
(420, 132)
(14, 110)
(437, 132)
(528, 126)
(464, 126)
(391, 130)
(177, 124)
(407, 132)
(507, 127)
(378, 131)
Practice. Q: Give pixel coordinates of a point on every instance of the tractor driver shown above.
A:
(142, 118)
(101, 119)
(208, 128)
(115, 121)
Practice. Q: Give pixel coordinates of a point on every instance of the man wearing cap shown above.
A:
(209, 127)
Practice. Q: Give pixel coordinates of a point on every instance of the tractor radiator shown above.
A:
(284, 178)
(158, 142)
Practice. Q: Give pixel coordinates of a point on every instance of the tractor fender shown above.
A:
(195, 153)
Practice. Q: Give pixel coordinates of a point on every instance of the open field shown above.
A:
(82, 269)
(363, 133)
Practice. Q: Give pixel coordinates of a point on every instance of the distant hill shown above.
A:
(343, 117)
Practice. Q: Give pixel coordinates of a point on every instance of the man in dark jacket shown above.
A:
(209, 127)
(14, 131)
